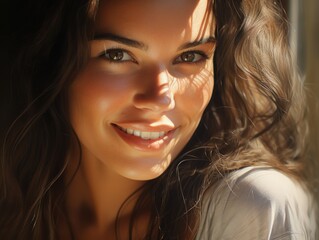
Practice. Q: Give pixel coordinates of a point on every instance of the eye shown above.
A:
(191, 57)
(117, 55)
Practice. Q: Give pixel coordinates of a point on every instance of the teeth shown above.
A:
(144, 135)
(129, 131)
(137, 133)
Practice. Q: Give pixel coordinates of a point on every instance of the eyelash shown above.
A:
(202, 55)
(106, 56)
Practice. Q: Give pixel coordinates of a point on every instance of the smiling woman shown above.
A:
(155, 119)
(135, 87)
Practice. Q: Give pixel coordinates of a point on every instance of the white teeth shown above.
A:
(144, 135)
(137, 133)
(129, 131)
(154, 135)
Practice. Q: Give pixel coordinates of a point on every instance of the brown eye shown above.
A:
(188, 57)
(114, 54)
(191, 57)
(117, 55)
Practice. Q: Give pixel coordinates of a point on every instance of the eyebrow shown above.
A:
(120, 39)
(209, 39)
(143, 46)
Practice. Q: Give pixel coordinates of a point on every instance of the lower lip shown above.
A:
(145, 144)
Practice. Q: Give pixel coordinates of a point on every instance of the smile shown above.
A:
(142, 134)
(145, 140)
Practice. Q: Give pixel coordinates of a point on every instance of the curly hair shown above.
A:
(255, 117)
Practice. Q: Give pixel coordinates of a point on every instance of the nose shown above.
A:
(155, 93)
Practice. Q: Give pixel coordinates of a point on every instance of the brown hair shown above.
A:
(255, 117)
(54, 47)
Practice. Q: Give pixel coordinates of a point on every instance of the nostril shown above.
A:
(165, 98)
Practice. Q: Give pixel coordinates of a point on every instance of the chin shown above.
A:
(145, 174)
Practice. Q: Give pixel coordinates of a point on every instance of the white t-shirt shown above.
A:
(257, 203)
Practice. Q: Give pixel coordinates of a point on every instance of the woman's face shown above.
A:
(141, 96)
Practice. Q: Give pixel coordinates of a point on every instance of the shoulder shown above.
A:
(258, 203)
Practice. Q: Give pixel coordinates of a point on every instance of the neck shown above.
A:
(97, 197)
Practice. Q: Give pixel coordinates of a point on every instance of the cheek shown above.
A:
(195, 92)
(98, 94)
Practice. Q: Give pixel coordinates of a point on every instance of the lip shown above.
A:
(146, 144)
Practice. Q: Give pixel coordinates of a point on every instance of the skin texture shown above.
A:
(159, 83)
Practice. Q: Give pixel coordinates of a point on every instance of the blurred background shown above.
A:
(304, 37)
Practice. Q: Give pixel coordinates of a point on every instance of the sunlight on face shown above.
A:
(140, 98)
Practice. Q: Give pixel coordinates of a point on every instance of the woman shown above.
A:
(155, 119)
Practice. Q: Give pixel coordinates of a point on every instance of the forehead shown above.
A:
(185, 19)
